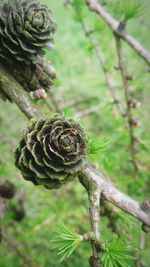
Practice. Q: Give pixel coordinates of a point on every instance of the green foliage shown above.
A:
(97, 145)
(127, 9)
(78, 6)
(126, 220)
(68, 113)
(117, 253)
(144, 145)
(131, 8)
(66, 241)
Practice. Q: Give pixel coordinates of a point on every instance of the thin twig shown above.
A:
(48, 105)
(91, 110)
(54, 102)
(95, 6)
(112, 215)
(89, 34)
(121, 67)
(15, 246)
(139, 261)
(79, 101)
(142, 241)
(101, 60)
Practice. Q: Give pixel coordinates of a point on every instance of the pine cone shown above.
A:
(52, 151)
(35, 76)
(26, 28)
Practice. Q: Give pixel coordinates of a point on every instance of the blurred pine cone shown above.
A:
(7, 190)
(52, 151)
(18, 211)
(26, 28)
(35, 76)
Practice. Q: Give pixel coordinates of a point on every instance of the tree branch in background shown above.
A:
(114, 24)
(17, 247)
(79, 101)
(8, 192)
(17, 94)
(92, 110)
(88, 33)
(54, 102)
(112, 215)
(95, 6)
(128, 100)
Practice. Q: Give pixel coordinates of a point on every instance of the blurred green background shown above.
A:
(79, 76)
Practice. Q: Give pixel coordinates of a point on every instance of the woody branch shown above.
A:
(22, 99)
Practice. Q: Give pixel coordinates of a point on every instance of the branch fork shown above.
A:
(113, 24)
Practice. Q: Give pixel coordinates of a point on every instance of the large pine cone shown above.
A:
(52, 151)
(26, 28)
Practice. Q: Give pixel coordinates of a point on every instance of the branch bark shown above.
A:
(94, 194)
(15, 246)
(113, 195)
(113, 24)
(17, 94)
(116, 197)
(94, 200)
